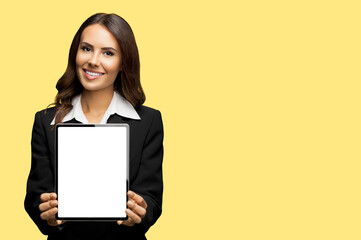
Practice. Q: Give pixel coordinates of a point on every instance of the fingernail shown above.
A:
(130, 203)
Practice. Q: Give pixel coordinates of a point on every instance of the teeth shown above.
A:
(93, 73)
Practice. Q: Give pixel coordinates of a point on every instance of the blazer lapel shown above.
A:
(115, 118)
(72, 121)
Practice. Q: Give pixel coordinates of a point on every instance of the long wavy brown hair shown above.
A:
(127, 82)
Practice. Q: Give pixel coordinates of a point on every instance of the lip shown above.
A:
(90, 77)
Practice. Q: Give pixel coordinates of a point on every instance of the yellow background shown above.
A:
(260, 103)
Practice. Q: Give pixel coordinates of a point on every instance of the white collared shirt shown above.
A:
(118, 105)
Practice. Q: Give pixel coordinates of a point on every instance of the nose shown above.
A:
(94, 60)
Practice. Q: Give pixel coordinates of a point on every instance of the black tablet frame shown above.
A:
(102, 219)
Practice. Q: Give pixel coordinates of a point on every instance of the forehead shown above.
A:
(99, 36)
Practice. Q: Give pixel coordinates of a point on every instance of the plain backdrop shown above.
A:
(260, 103)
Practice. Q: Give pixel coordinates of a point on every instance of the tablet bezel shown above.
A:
(60, 125)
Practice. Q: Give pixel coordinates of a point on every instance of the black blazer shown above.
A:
(145, 176)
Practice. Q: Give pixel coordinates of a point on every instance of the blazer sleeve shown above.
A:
(149, 180)
(40, 178)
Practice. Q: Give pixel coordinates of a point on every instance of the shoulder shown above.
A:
(151, 122)
(45, 116)
(147, 113)
(151, 118)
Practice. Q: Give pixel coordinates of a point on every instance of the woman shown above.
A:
(100, 85)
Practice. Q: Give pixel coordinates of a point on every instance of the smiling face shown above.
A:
(98, 60)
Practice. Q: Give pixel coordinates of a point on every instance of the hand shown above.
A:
(48, 209)
(136, 211)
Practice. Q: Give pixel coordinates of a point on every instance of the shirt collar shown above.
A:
(118, 105)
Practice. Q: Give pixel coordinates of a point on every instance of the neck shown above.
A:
(96, 102)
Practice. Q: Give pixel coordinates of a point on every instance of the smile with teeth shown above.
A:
(93, 73)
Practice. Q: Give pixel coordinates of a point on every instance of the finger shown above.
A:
(52, 222)
(140, 211)
(138, 199)
(47, 205)
(53, 196)
(59, 222)
(47, 196)
(128, 223)
(133, 216)
(49, 214)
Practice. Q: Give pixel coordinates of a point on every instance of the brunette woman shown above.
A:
(100, 85)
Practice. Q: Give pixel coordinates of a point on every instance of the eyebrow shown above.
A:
(104, 48)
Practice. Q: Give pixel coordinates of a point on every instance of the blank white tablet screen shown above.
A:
(92, 173)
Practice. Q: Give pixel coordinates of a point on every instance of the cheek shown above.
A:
(112, 67)
(80, 59)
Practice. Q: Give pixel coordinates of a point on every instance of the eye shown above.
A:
(109, 53)
(86, 49)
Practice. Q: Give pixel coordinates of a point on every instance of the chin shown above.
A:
(93, 87)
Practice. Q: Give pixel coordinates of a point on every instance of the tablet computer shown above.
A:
(92, 171)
